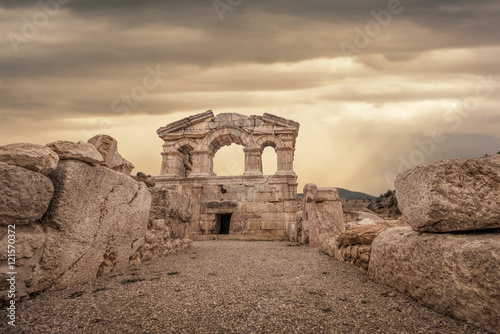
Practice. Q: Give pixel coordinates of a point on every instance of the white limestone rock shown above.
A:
(34, 157)
(314, 194)
(30, 241)
(24, 195)
(354, 244)
(454, 274)
(324, 220)
(94, 219)
(323, 216)
(108, 148)
(78, 151)
(451, 195)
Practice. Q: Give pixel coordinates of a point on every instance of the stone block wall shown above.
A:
(259, 205)
(168, 225)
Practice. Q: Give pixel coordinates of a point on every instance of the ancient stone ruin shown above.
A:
(79, 215)
(252, 204)
(445, 251)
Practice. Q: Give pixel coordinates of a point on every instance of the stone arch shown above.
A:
(191, 143)
(228, 135)
(270, 140)
(186, 145)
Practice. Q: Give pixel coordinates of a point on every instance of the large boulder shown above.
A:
(455, 274)
(89, 229)
(24, 195)
(108, 148)
(34, 157)
(30, 241)
(324, 220)
(451, 195)
(78, 151)
(322, 216)
(354, 244)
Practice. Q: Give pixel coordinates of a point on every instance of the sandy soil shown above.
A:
(232, 287)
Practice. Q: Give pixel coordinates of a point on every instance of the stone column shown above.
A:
(253, 161)
(173, 162)
(285, 160)
(202, 163)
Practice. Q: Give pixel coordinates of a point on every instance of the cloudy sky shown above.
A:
(377, 86)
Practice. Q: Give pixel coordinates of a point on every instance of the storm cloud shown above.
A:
(367, 80)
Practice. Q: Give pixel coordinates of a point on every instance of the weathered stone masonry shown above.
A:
(252, 204)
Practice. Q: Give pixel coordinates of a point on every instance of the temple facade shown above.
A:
(253, 204)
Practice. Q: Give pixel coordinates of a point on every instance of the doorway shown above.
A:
(224, 222)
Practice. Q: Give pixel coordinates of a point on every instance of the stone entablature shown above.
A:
(258, 204)
(191, 143)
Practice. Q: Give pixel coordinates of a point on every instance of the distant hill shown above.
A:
(347, 194)
(386, 205)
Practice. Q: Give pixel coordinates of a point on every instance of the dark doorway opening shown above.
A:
(224, 221)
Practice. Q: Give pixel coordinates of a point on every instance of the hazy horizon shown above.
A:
(377, 86)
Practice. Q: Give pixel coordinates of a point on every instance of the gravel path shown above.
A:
(232, 287)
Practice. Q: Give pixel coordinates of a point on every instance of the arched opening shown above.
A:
(269, 161)
(229, 161)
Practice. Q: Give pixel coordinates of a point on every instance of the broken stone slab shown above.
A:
(94, 218)
(362, 215)
(314, 194)
(34, 157)
(401, 222)
(78, 151)
(324, 220)
(108, 148)
(24, 195)
(354, 244)
(358, 255)
(451, 195)
(455, 274)
(326, 194)
(330, 247)
(360, 234)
